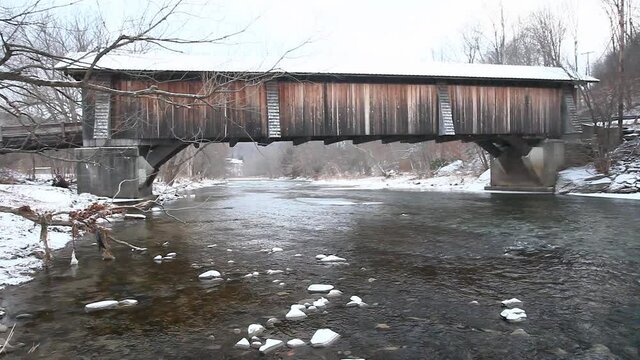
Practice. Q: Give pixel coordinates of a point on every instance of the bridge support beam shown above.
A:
(523, 168)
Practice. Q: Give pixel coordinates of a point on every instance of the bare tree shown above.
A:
(472, 43)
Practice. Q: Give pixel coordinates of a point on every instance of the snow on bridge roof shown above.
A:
(78, 62)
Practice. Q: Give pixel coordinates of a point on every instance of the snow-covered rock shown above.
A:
(334, 293)
(101, 305)
(320, 256)
(157, 258)
(320, 303)
(295, 314)
(243, 344)
(209, 275)
(273, 272)
(319, 288)
(128, 302)
(256, 344)
(276, 249)
(356, 301)
(514, 315)
(511, 303)
(255, 330)
(333, 258)
(298, 307)
(134, 216)
(270, 345)
(450, 169)
(171, 255)
(294, 343)
(297, 255)
(324, 337)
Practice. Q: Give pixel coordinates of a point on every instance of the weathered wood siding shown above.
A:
(356, 109)
(238, 112)
(506, 110)
(323, 109)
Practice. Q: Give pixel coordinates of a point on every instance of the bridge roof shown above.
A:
(119, 62)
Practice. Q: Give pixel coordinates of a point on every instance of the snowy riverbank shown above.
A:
(20, 247)
(180, 187)
(449, 178)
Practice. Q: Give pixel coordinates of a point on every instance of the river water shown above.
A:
(417, 258)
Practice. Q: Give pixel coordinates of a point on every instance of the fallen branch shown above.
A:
(122, 242)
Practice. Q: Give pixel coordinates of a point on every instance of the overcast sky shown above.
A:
(355, 31)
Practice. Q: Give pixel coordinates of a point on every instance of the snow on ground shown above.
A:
(586, 181)
(180, 187)
(452, 182)
(20, 239)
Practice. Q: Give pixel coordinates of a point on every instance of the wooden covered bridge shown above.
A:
(154, 108)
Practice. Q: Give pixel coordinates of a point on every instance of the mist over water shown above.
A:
(417, 258)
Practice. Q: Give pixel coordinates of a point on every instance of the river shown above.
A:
(418, 259)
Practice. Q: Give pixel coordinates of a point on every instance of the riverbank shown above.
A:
(20, 248)
(21, 251)
(448, 183)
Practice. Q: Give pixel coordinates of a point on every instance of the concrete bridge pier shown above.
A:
(123, 172)
(518, 166)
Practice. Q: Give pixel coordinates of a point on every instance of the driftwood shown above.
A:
(85, 220)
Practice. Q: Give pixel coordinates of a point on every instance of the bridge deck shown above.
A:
(40, 137)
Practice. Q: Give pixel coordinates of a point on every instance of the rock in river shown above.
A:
(255, 330)
(128, 302)
(294, 343)
(101, 305)
(333, 258)
(242, 344)
(514, 315)
(319, 288)
(324, 337)
(270, 345)
(295, 314)
(511, 303)
(209, 275)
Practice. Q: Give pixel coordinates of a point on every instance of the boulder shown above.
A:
(324, 337)
(514, 315)
(101, 305)
(255, 330)
(319, 288)
(242, 344)
(295, 314)
(209, 275)
(294, 343)
(332, 258)
(270, 345)
(513, 302)
(128, 302)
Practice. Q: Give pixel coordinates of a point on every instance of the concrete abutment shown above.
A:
(535, 168)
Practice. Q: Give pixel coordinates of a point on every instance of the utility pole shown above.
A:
(587, 70)
(621, 40)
